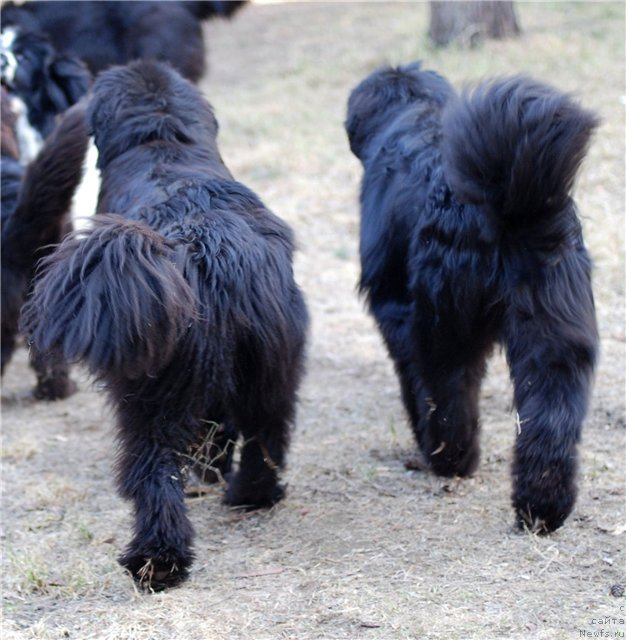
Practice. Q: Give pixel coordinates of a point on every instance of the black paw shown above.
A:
(542, 504)
(252, 495)
(156, 573)
(450, 460)
(55, 389)
(544, 492)
(542, 516)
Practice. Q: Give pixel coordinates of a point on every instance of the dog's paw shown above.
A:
(449, 460)
(156, 573)
(542, 504)
(55, 389)
(251, 496)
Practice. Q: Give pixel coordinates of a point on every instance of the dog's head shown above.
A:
(378, 98)
(147, 101)
(48, 83)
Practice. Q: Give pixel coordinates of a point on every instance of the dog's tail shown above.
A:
(514, 146)
(113, 297)
(46, 192)
(205, 9)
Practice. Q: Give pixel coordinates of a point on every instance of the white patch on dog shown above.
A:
(9, 61)
(29, 140)
(85, 199)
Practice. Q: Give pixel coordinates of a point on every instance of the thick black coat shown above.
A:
(469, 237)
(182, 300)
(103, 33)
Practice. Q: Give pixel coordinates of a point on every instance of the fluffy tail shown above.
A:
(514, 146)
(204, 9)
(113, 298)
(46, 193)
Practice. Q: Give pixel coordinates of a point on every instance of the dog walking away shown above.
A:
(181, 299)
(470, 237)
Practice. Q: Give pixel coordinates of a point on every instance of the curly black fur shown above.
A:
(35, 203)
(183, 302)
(469, 237)
(103, 33)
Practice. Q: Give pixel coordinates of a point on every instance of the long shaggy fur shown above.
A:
(470, 237)
(35, 203)
(103, 33)
(182, 301)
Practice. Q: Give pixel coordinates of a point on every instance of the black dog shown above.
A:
(42, 83)
(104, 33)
(469, 237)
(35, 205)
(183, 303)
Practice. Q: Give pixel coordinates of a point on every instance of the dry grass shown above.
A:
(362, 547)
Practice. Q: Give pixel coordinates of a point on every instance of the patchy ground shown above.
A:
(361, 547)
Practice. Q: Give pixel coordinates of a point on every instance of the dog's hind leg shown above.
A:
(551, 342)
(265, 441)
(149, 474)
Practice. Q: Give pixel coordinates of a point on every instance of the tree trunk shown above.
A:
(468, 22)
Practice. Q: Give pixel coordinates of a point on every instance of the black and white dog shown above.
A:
(470, 237)
(182, 299)
(104, 33)
(36, 201)
(42, 84)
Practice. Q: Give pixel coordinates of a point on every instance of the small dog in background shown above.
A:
(104, 33)
(35, 203)
(181, 299)
(470, 237)
(42, 84)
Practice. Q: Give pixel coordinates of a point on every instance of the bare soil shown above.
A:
(361, 547)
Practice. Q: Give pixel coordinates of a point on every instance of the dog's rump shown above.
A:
(127, 299)
(236, 256)
(514, 146)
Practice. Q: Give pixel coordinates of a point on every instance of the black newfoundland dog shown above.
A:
(36, 200)
(470, 237)
(103, 33)
(182, 300)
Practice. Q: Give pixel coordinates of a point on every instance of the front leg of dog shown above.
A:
(159, 554)
(448, 428)
(53, 375)
(395, 321)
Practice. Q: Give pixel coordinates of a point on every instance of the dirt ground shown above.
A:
(361, 548)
